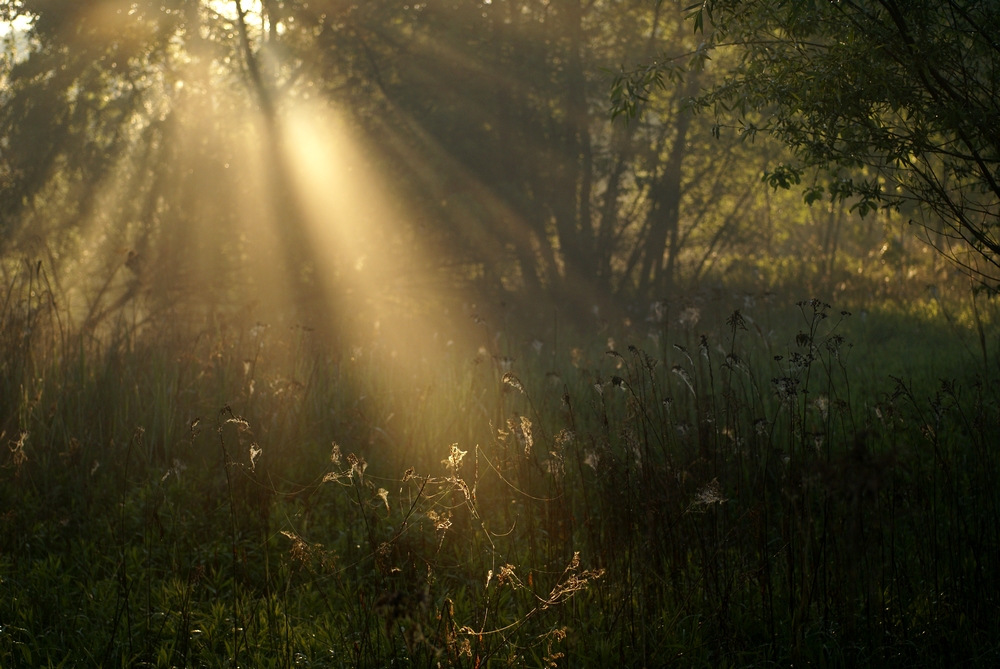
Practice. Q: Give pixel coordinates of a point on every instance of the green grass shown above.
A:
(661, 505)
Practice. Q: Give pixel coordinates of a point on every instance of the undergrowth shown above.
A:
(720, 491)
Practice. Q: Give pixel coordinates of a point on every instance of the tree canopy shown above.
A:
(309, 152)
(899, 99)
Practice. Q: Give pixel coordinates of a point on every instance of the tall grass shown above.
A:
(724, 492)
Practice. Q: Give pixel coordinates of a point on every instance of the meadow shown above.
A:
(728, 480)
(499, 333)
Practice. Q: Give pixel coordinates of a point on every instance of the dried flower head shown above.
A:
(507, 574)
(255, 452)
(760, 426)
(383, 495)
(708, 495)
(565, 438)
(441, 521)
(681, 372)
(785, 387)
(736, 321)
(306, 554)
(524, 434)
(555, 465)
(454, 460)
(18, 456)
(510, 380)
(241, 423)
(822, 404)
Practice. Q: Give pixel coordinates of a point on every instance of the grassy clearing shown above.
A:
(723, 488)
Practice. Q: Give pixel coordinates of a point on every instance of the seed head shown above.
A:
(454, 459)
(510, 380)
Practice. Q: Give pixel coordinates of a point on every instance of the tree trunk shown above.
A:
(664, 213)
